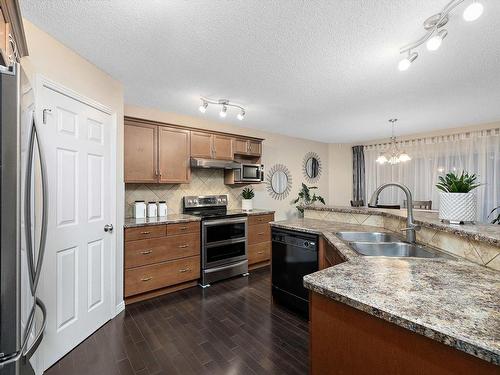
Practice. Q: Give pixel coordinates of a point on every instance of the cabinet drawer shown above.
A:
(260, 252)
(259, 233)
(181, 228)
(143, 252)
(160, 275)
(140, 233)
(260, 219)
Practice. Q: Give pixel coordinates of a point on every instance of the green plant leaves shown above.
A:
(452, 183)
(247, 193)
(304, 197)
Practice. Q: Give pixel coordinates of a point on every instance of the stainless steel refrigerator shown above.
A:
(23, 223)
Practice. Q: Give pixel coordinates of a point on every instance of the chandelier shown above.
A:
(394, 155)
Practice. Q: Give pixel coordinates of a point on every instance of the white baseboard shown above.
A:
(119, 308)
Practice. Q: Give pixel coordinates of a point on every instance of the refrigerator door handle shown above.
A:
(27, 207)
(39, 336)
(35, 269)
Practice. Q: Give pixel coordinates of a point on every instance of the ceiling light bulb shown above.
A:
(404, 157)
(223, 111)
(241, 115)
(435, 42)
(203, 107)
(406, 62)
(473, 11)
(381, 159)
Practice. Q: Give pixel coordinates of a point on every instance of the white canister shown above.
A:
(139, 210)
(152, 209)
(162, 208)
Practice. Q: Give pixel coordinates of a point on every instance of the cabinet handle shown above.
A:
(146, 252)
(146, 278)
(184, 270)
(183, 228)
(260, 252)
(183, 246)
(145, 232)
(261, 233)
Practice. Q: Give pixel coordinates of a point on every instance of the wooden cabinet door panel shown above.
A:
(240, 146)
(201, 145)
(259, 233)
(182, 228)
(140, 152)
(223, 147)
(155, 250)
(173, 155)
(260, 252)
(160, 275)
(141, 233)
(254, 148)
(260, 219)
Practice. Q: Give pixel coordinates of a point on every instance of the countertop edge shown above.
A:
(457, 343)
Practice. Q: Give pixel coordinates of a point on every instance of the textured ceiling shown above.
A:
(324, 70)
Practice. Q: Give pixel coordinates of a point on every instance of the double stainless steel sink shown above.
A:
(384, 244)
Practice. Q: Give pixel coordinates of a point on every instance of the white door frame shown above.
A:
(40, 82)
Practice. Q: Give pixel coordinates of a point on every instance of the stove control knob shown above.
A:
(306, 244)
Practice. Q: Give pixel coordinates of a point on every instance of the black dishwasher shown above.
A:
(294, 255)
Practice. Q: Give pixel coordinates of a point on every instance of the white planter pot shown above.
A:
(457, 207)
(246, 205)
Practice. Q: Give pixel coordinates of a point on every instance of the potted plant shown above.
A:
(306, 199)
(458, 204)
(496, 220)
(246, 203)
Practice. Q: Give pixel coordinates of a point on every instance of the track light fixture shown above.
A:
(225, 104)
(435, 34)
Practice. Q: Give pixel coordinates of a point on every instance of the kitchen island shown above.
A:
(400, 315)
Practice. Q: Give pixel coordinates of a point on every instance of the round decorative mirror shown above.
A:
(311, 167)
(279, 181)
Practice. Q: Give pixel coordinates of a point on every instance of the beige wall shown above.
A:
(53, 60)
(276, 149)
(340, 174)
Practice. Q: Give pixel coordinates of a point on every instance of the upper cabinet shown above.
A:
(211, 146)
(13, 44)
(173, 155)
(156, 154)
(250, 147)
(160, 153)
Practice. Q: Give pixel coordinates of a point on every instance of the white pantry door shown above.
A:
(76, 275)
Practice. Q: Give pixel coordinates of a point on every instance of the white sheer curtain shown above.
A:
(475, 152)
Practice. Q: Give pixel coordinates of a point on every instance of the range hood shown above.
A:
(210, 163)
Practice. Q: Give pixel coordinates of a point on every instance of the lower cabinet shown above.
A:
(167, 262)
(328, 255)
(259, 240)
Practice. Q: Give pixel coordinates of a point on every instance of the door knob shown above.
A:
(108, 228)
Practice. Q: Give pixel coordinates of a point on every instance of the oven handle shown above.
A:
(235, 220)
(225, 242)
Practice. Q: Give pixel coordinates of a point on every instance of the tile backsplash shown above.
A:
(203, 182)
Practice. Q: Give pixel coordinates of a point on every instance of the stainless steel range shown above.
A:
(223, 237)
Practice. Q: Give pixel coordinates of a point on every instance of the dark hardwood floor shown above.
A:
(230, 328)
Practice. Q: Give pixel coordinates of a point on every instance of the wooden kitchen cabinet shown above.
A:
(247, 147)
(223, 147)
(259, 240)
(211, 146)
(173, 155)
(160, 259)
(328, 255)
(201, 145)
(141, 152)
(156, 154)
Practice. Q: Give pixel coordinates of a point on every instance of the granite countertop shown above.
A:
(182, 218)
(489, 233)
(452, 301)
(169, 219)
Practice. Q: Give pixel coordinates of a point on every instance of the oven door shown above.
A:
(224, 241)
(251, 172)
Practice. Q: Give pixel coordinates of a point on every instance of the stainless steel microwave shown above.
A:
(249, 173)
